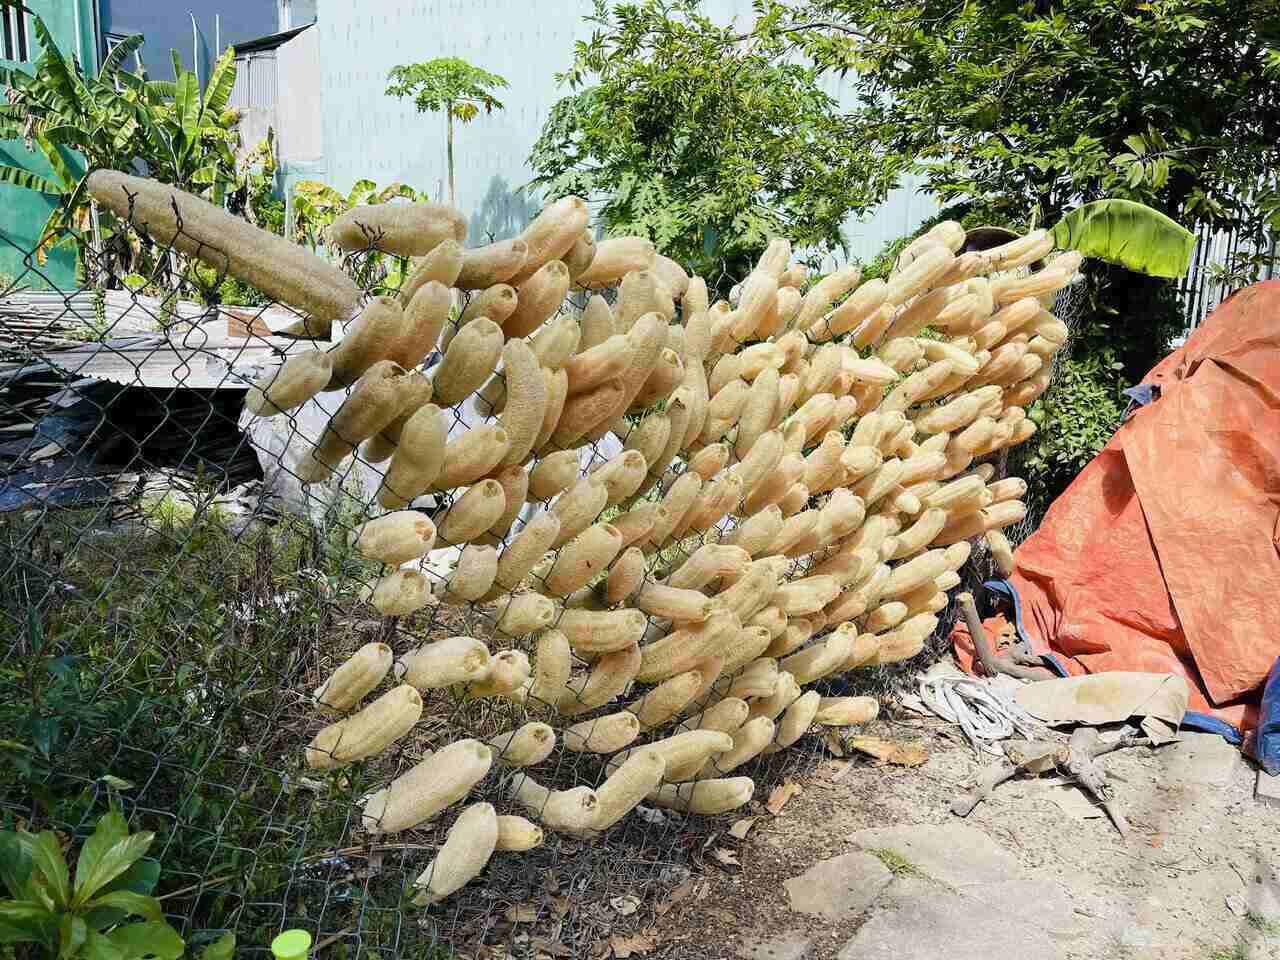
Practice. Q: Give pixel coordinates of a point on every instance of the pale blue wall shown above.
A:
(367, 134)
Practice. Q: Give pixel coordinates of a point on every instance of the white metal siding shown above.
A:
(368, 134)
(256, 94)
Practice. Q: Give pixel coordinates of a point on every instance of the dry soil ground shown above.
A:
(867, 861)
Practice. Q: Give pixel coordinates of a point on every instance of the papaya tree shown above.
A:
(451, 86)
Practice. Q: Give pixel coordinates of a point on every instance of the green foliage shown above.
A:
(447, 84)
(84, 917)
(183, 136)
(897, 864)
(704, 143)
(1075, 419)
(255, 197)
(1130, 234)
(1032, 104)
(1260, 922)
(150, 669)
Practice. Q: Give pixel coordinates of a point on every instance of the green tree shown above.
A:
(704, 140)
(1023, 109)
(449, 85)
(1023, 104)
(1031, 107)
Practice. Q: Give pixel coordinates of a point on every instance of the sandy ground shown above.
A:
(1198, 879)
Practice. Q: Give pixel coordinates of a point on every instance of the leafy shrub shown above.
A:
(145, 670)
(84, 915)
(1076, 418)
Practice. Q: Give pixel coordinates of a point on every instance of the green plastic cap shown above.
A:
(291, 945)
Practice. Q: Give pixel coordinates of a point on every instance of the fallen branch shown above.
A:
(1076, 758)
(1010, 666)
(1080, 764)
(995, 775)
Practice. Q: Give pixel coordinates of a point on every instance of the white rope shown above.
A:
(985, 714)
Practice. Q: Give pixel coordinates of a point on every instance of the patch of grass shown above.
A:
(1265, 926)
(151, 665)
(1236, 952)
(897, 864)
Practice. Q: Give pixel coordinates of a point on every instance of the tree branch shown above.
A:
(990, 662)
(798, 27)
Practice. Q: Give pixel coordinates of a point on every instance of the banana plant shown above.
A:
(1129, 234)
(115, 119)
(188, 136)
(75, 122)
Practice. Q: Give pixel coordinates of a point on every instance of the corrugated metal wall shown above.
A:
(256, 94)
(368, 134)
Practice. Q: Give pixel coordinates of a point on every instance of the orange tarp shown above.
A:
(1164, 554)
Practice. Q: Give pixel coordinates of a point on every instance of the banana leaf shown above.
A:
(1129, 234)
(19, 177)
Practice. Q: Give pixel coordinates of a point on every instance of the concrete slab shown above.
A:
(953, 854)
(1267, 789)
(840, 888)
(1201, 759)
(1047, 905)
(1262, 900)
(917, 920)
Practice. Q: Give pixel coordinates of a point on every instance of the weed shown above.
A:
(897, 864)
(1237, 951)
(1264, 925)
(148, 663)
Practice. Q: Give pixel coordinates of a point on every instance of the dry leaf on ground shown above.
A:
(521, 913)
(911, 754)
(635, 945)
(680, 893)
(833, 742)
(780, 795)
(726, 857)
(742, 827)
(552, 948)
(625, 906)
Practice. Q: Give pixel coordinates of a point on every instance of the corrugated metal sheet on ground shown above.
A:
(201, 358)
(28, 315)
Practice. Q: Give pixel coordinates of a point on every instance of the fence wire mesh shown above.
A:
(173, 595)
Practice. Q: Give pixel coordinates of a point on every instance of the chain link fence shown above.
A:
(173, 594)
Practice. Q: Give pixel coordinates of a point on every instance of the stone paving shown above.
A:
(922, 891)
